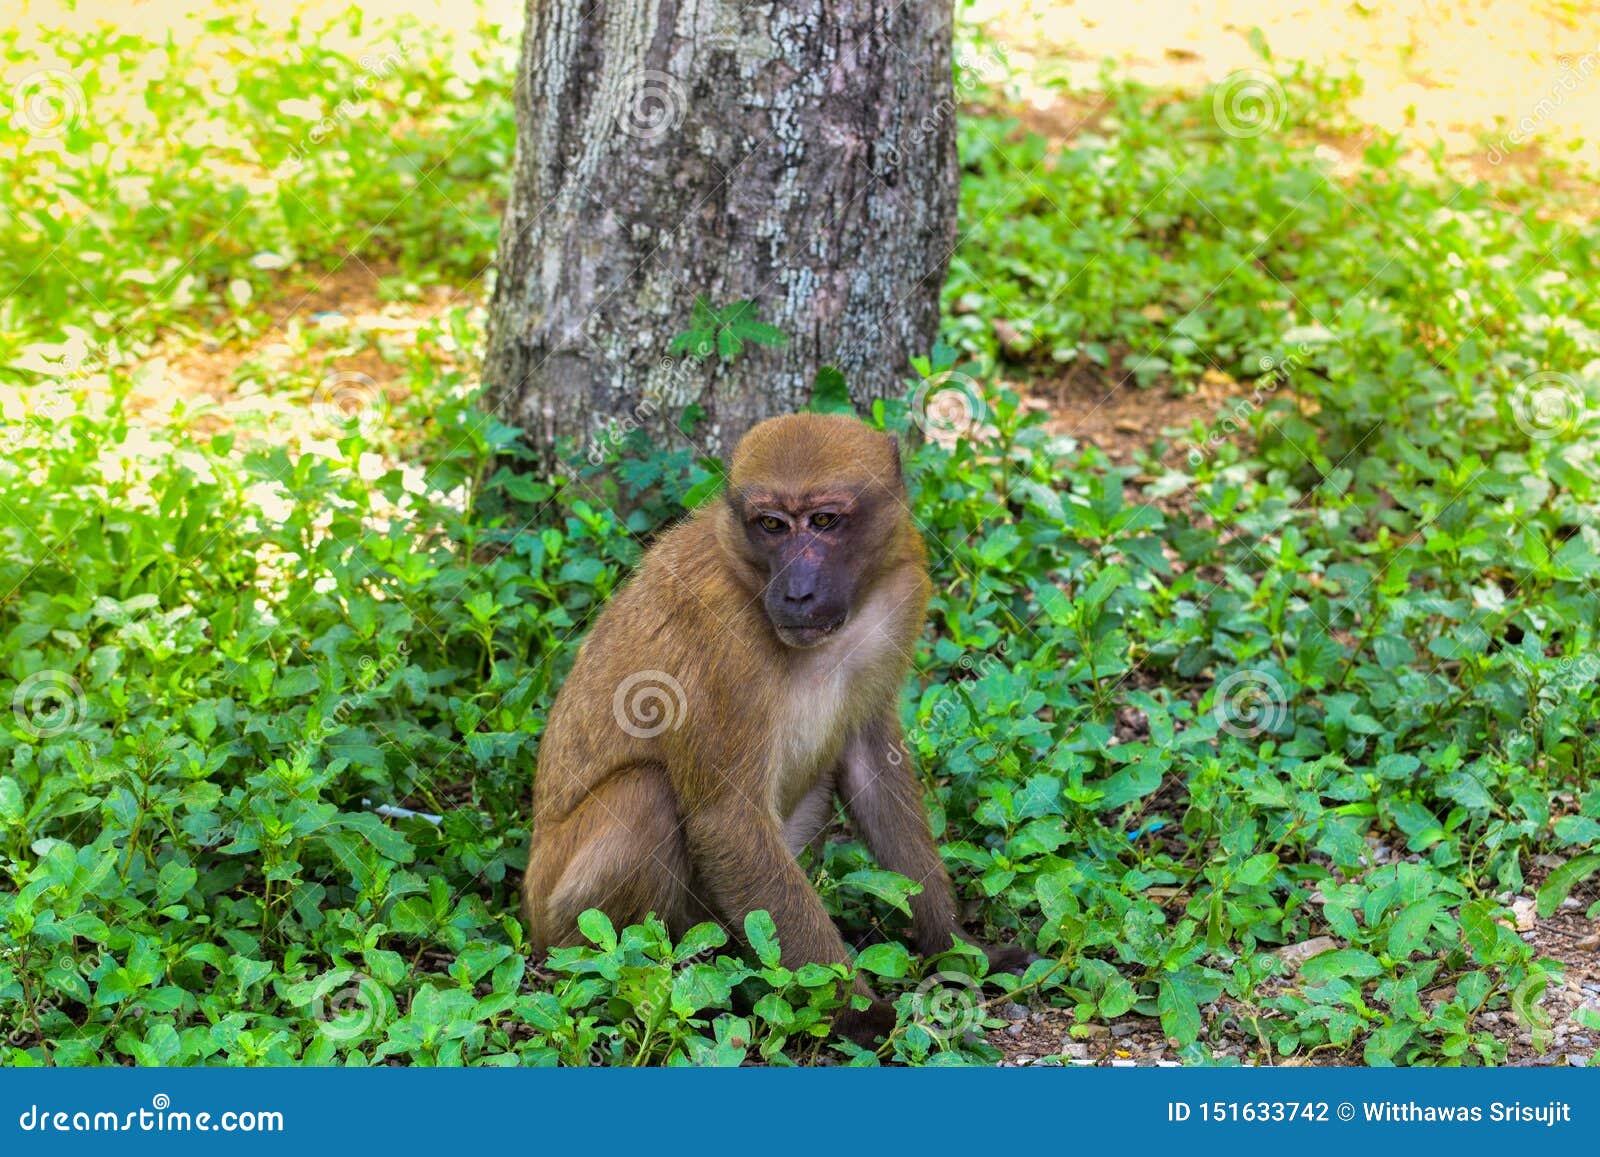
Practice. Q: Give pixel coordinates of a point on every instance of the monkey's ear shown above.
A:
(894, 453)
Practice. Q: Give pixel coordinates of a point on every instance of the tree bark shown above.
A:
(799, 154)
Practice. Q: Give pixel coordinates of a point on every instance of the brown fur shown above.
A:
(703, 819)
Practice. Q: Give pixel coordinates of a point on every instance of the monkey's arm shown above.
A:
(879, 786)
(881, 791)
(739, 854)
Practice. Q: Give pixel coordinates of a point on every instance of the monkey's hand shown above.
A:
(1010, 958)
(865, 1025)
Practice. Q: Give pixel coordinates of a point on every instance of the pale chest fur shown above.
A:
(832, 691)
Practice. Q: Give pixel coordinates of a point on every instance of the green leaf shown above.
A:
(174, 883)
(1340, 964)
(597, 927)
(1559, 884)
(1180, 1014)
(690, 341)
(700, 986)
(699, 939)
(1054, 602)
(296, 683)
(1113, 993)
(1409, 933)
(390, 844)
(890, 887)
(830, 393)
(763, 937)
(11, 809)
(1056, 898)
(890, 960)
(1257, 869)
(386, 967)
(1481, 929)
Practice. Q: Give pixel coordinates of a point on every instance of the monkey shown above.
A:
(748, 672)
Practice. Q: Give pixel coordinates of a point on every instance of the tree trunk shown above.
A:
(799, 154)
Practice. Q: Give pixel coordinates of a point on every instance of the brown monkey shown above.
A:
(748, 672)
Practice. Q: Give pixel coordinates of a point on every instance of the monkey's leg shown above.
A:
(739, 851)
(622, 851)
(884, 799)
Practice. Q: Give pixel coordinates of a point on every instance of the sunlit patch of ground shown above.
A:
(1491, 81)
(332, 354)
(186, 19)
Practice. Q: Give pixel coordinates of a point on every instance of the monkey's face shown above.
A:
(807, 552)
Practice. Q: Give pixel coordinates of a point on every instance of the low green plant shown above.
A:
(1322, 668)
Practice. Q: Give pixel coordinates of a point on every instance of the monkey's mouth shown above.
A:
(809, 635)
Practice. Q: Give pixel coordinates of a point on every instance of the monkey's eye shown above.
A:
(824, 521)
(772, 524)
